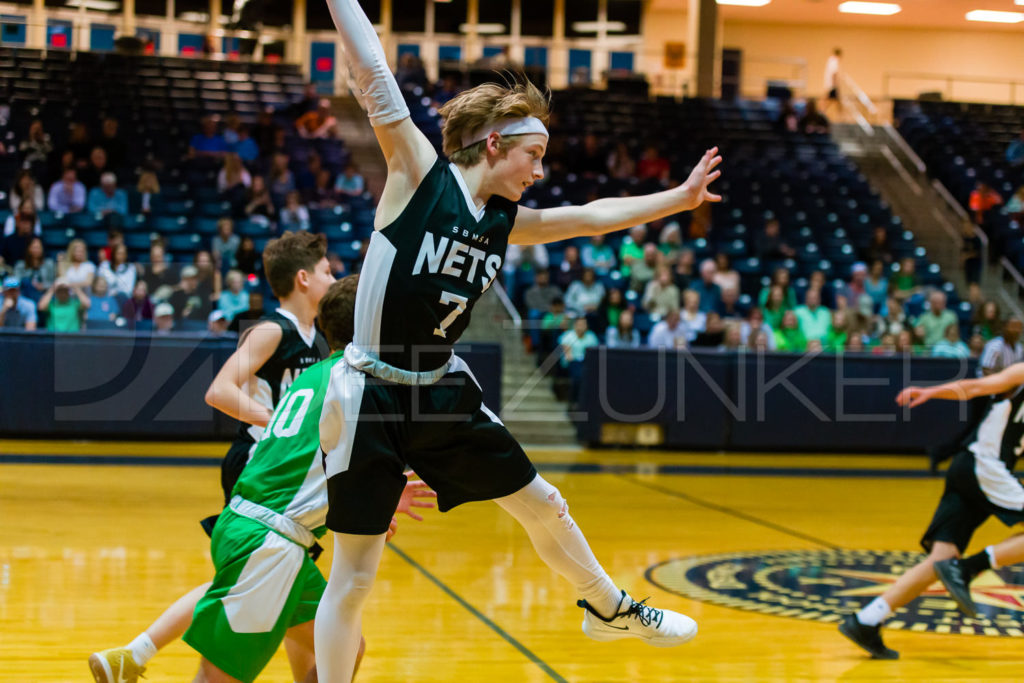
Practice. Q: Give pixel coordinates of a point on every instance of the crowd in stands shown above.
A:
(126, 275)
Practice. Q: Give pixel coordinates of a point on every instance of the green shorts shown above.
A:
(264, 584)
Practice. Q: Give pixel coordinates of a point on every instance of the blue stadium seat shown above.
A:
(184, 243)
(94, 239)
(84, 220)
(138, 241)
(57, 238)
(166, 225)
(205, 226)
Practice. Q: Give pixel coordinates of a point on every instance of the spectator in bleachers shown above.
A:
(813, 122)
(164, 318)
(294, 216)
(770, 246)
(322, 195)
(725, 275)
(905, 343)
(305, 177)
(112, 144)
(855, 343)
(569, 269)
(67, 195)
(815, 320)
(260, 205)
(632, 249)
(951, 346)
(623, 335)
(886, 345)
(789, 120)
(695, 320)
(207, 144)
(574, 343)
(249, 317)
(280, 179)
(209, 278)
(552, 325)
(713, 333)
(905, 283)
(733, 338)
(976, 345)
(410, 73)
(524, 258)
(755, 325)
(930, 326)
(1015, 151)
(247, 258)
(188, 301)
(92, 174)
(584, 296)
(669, 333)
(1015, 205)
(35, 272)
(839, 332)
(159, 276)
(264, 133)
(653, 166)
(103, 305)
(138, 306)
(23, 226)
(36, 148)
(878, 248)
(598, 255)
(987, 320)
(108, 200)
(119, 273)
(114, 238)
(686, 269)
(65, 306)
(710, 293)
(775, 305)
(246, 148)
(148, 189)
(235, 298)
(217, 323)
(611, 308)
(661, 294)
(75, 268)
(729, 306)
(1002, 351)
(892, 322)
(620, 163)
(319, 123)
(79, 144)
(337, 266)
(232, 122)
(590, 160)
(759, 340)
(25, 187)
(856, 288)
(789, 336)
(17, 312)
(982, 200)
(349, 182)
(670, 243)
(642, 271)
(876, 286)
(224, 245)
(445, 90)
(233, 180)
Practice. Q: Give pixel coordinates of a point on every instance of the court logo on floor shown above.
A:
(823, 585)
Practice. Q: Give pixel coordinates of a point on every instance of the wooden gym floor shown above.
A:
(91, 553)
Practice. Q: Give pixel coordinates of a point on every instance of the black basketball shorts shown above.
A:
(443, 431)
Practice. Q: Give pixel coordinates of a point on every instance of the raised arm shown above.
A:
(227, 391)
(408, 153)
(538, 226)
(965, 389)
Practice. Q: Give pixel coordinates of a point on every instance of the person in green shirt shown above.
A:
(632, 249)
(780, 278)
(789, 336)
(930, 326)
(65, 305)
(951, 346)
(815, 320)
(836, 339)
(775, 306)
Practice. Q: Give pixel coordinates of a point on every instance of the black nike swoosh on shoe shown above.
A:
(618, 628)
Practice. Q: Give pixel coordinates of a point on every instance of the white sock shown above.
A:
(991, 552)
(544, 514)
(875, 612)
(142, 649)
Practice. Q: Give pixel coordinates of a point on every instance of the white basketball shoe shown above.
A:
(657, 627)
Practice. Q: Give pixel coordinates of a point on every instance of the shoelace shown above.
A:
(644, 613)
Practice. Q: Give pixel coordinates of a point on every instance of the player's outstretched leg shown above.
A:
(864, 627)
(125, 664)
(339, 619)
(609, 613)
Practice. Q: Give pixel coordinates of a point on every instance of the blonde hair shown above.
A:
(148, 183)
(477, 107)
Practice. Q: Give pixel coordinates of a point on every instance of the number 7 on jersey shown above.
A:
(460, 307)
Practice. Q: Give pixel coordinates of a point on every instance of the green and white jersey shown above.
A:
(285, 472)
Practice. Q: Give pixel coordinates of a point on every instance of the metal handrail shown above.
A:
(950, 200)
(950, 80)
(510, 308)
(859, 94)
(905, 147)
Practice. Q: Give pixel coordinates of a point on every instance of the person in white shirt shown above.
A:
(670, 333)
(76, 269)
(832, 75)
(584, 296)
(119, 273)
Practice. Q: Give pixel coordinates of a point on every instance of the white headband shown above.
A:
(523, 126)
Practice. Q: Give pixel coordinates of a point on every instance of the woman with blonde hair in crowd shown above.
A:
(148, 188)
(75, 268)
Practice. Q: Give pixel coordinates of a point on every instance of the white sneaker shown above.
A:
(660, 628)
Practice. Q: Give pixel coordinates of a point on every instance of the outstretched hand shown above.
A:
(703, 174)
(912, 397)
(414, 490)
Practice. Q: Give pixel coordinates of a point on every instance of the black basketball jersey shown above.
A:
(293, 355)
(424, 272)
(1001, 432)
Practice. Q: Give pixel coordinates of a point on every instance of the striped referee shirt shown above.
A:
(998, 355)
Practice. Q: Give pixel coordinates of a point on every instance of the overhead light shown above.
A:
(195, 17)
(483, 28)
(98, 5)
(595, 26)
(997, 17)
(879, 8)
(744, 3)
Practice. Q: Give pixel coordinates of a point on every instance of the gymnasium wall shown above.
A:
(118, 385)
(773, 401)
(868, 54)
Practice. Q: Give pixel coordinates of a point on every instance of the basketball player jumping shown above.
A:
(979, 484)
(401, 397)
